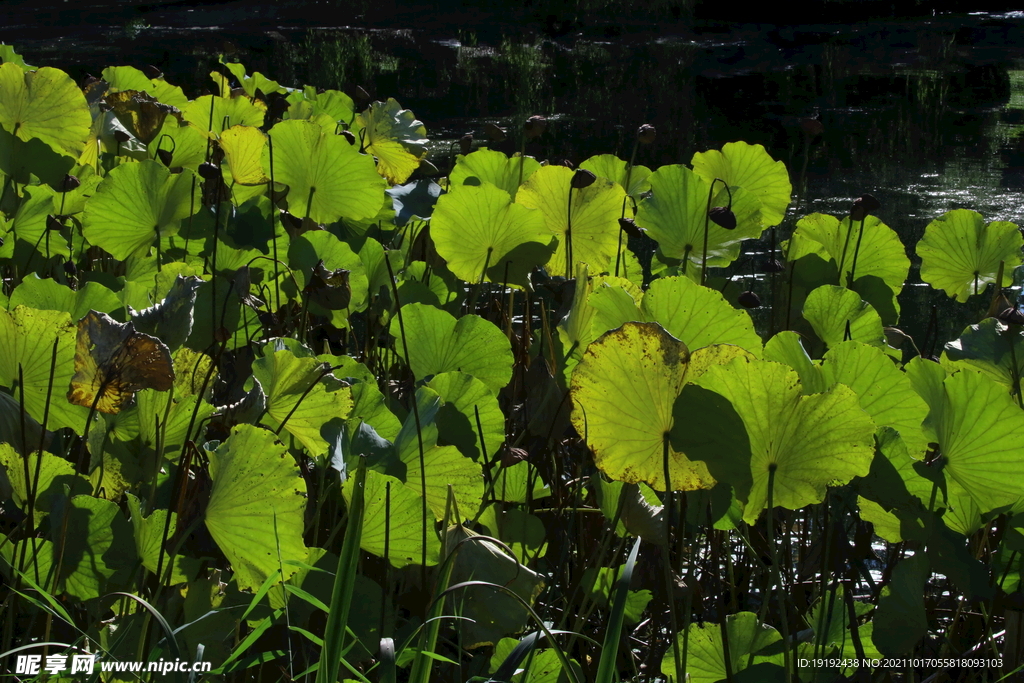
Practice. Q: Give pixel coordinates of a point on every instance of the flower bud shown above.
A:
(70, 268)
(165, 156)
(811, 127)
(152, 72)
(466, 143)
(349, 136)
(773, 265)
(724, 217)
(1011, 316)
(53, 224)
(494, 133)
(535, 127)
(864, 205)
(121, 136)
(646, 134)
(583, 178)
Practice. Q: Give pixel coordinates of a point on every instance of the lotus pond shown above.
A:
(282, 396)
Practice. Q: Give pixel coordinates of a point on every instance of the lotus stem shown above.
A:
(667, 563)
(707, 221)
(776, 575)
(856, 252)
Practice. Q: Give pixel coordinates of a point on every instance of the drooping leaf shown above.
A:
(256, 505)
(483, 235)
(960, 254)
(113, 361)
(395, 137)
(129, 78)
(990, 347)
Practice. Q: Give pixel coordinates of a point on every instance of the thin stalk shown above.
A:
(775, 571)
(856, 251)
(666, 555)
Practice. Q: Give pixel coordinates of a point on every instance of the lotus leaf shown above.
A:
(30, 225)
(48, 295)
(633, 180)
(94, 546)
(623, 392)
(990, 347)
(810, 442)
(256, 507)
(467, 400)
(44, 104)
(129, 78)
(54, 474)
(900, 620)
(491, 166)
(327, 178)
(148, 536)
(483, 235)
(960, 254)
(395, 137)
(298, 400)
(243, 150)
(588, 224)
(751, 168)
(440, 343)
(393, 520)
(676, 212)
(599, 583)
(832, 310)
(705, 652)
(786, 348)
(250, 84)
(137, 204)
(213, 114)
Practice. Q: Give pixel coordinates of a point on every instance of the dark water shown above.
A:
(926, 114)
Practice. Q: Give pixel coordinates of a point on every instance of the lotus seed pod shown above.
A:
(724, 217)
(629, 226)
(466, 143)
(209, 171)
(165, 156)
(864, 205)
(811, 127)
(749, 299)
(773, 265)
(152, 72)
(494, 133)
(70, 183)
(646, 134)
(583, 178)
(121, 136)
(535, 127)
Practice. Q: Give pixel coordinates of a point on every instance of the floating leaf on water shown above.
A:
(113, 361)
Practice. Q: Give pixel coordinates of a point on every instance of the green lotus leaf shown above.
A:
(173, 411)
(243, 150)
(676, 212)
(467, 399)
(513, 484)
(440, 343)
(54, 474)
(900, 620)
(599, 582)
(614, 301)
(786, 348)
(30, 225)
(444, 467)
(623, 392)
(27, 338)
(590, 221)
(829, 619)
(960, 254)
(44, 104)
(149, 533)
(7, 54)
(882, 258)
(980, 432)
(393, 519)
(257, 503)
(810, 442)
(298, 400)
(705, 651)
(369, 406)
(327, 178)
(634, 181)
(213, 115)
(250, 84)
(94, 544)
(137, 204)
(73, 201)
(48, 295)
(883, 391)
(121, 78)
(990, 347)
(185, 142)
(491, 166)
(698, 316)
(750, 167)
(483, 235)
(395, 137)
(830, 309)
(33, 161)
(38, 561)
